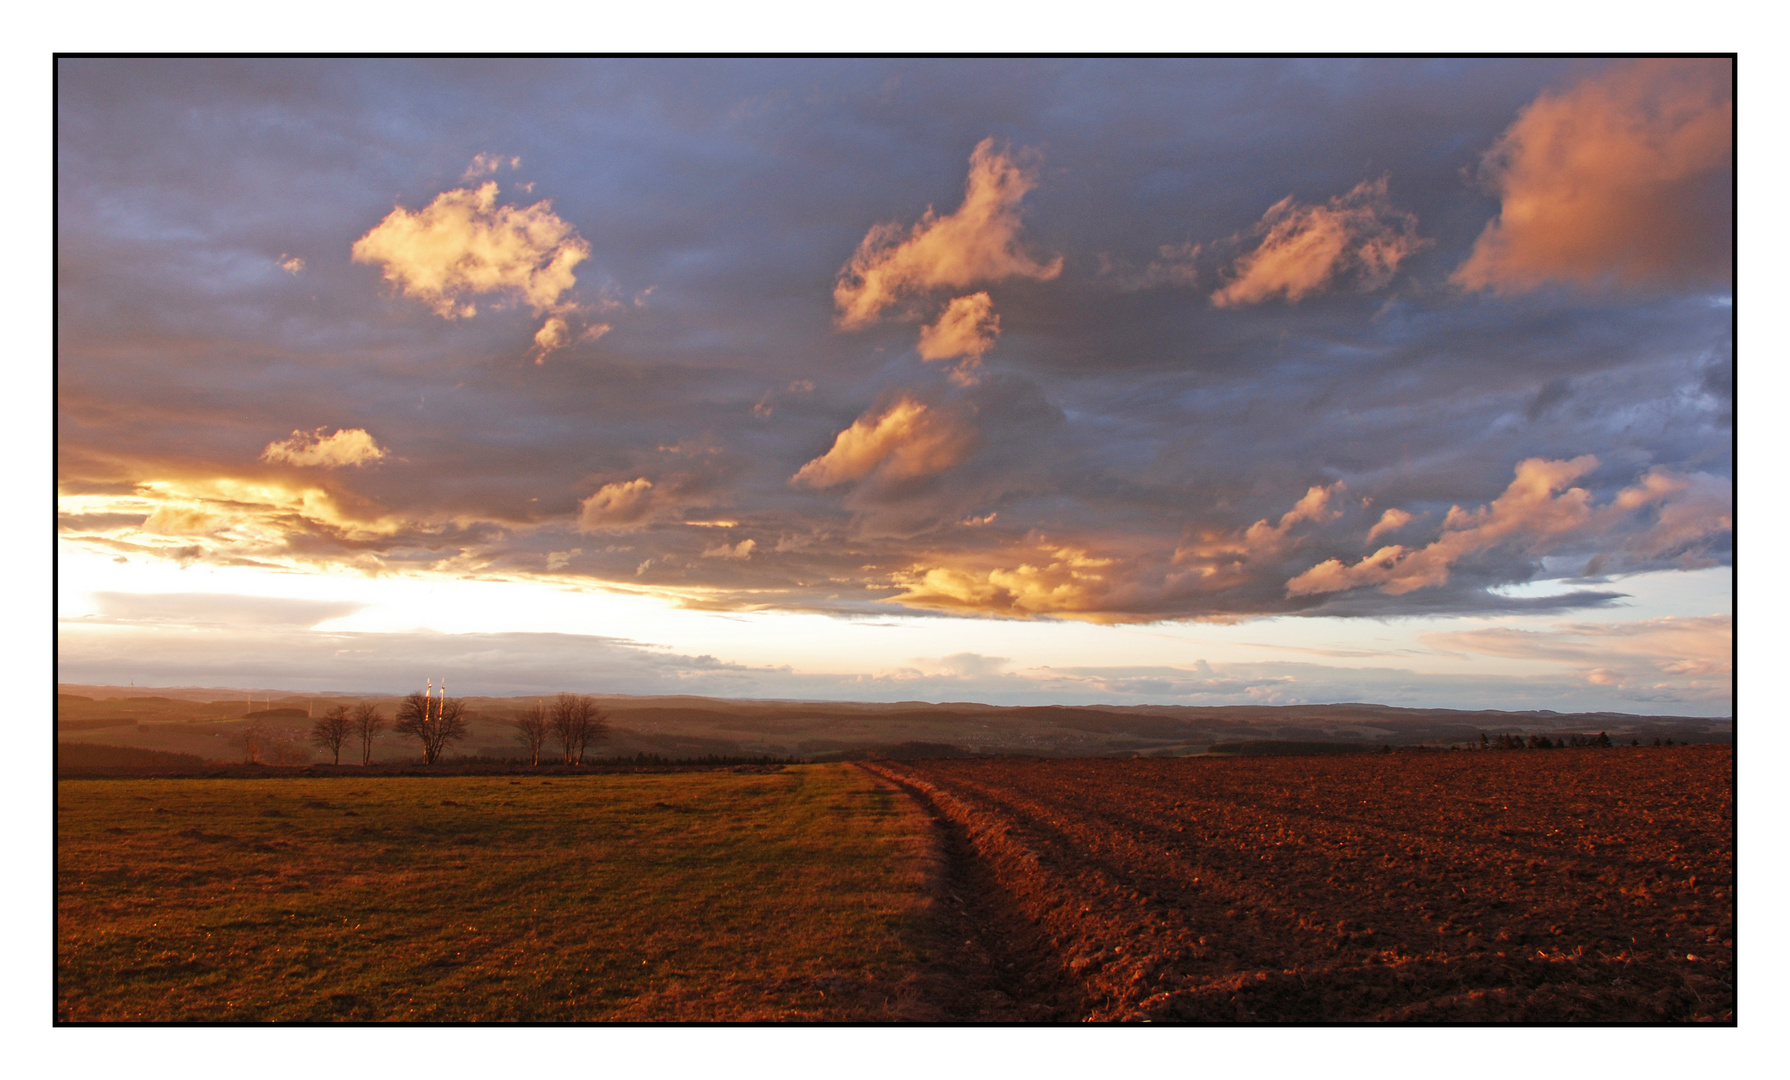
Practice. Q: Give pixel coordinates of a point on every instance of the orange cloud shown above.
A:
(349, 446)
(967, 328)
(1537, 509)
(977, 242)
(183, 521)
(742, 550)
(618, 504)
(1314, 505)
(1305, 248)
(1126, 583)
(227, 519)
(553, 334)
(464, 244)
(486, 164)
(1063, 581)
(906, 441)
(1391, 521)
(1689, 510)
(1529, 507)
(1625, 177)
(1217, 558)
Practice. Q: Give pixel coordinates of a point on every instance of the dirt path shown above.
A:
(991, 963)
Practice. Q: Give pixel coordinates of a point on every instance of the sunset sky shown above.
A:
(1180, 382)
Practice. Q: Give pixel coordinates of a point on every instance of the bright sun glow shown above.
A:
(813, 644)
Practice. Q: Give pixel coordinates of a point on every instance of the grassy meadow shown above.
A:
(792, 894)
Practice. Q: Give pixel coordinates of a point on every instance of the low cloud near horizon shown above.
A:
(287, 657)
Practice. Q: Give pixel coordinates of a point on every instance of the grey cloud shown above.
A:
(473, 663)
(221, 608)
(506, 664)
(1122, 422)
(1550, 395)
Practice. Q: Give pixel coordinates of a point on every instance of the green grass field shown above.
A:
(798, 894)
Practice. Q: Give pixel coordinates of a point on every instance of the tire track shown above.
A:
(985, 955)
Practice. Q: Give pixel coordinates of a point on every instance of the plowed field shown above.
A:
(1565, 885)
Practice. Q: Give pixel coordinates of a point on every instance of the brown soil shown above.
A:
(1539, 886)
(237, 771)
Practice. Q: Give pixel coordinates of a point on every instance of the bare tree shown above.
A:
(367, 723)
(434, 722)
(531, 730)
(331, 730)
(254, 741)
(288, 748)
(577, 722)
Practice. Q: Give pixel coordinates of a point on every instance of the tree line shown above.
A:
(574, 721)
(1542, 742)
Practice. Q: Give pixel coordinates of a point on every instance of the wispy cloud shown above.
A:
(1304, 249)
(226, 609)
(1314, 505)
(1536, 512)
(1105, 576)
(976, 243)
(1175, 265)
(487, 164)
(291, 522)
(1683, 658)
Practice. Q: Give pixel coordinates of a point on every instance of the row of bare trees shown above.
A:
(435, 722)
(341, 723)
(573, 720)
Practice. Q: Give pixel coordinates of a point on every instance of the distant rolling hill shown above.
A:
(209, 721)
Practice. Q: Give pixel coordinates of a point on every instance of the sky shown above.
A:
(1126, 381)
